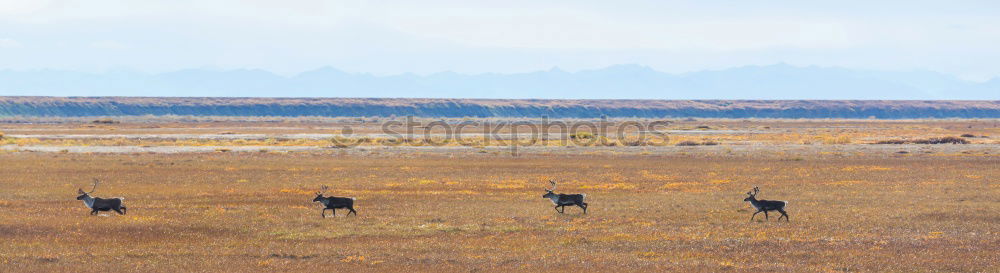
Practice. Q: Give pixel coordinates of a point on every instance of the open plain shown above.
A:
(234, 196)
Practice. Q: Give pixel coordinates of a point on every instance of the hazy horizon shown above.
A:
(770, 82)
(885, 49)
(288, 74)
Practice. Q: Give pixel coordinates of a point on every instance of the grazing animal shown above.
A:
(97, 204)
(563, 200)
(765, 205)
(333, 203)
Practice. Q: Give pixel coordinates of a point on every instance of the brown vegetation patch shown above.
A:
(933, 140)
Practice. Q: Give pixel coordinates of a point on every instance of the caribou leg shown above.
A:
(323, 213)
(754, 215)
(119, 211)
(783, 214)
(765, 216)
(352, 211)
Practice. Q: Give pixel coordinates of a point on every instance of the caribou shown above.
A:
(563, 200)
(765, 205)
(333, 203)
(97, 204)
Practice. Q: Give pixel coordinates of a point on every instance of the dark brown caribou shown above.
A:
(563, 200)
(333, 203)
(97, 204)
(765, 205)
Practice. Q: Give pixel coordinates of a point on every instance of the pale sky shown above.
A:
(961, 38)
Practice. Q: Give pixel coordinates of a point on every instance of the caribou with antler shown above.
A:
(765, 205)
(97, 204)
(333, 203)
(563, 200)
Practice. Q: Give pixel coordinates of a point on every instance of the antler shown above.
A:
(322, 189)
(553, 185)
(756, 190)
(95, 186)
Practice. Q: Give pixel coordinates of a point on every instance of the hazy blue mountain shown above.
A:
(779, 81)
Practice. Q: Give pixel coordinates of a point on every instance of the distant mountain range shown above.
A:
(525, 108)
(779, 81)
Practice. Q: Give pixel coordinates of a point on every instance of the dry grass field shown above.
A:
(317, 132)
(931, 209)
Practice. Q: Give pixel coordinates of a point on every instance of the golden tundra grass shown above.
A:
(242, 212)
(820, 132)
